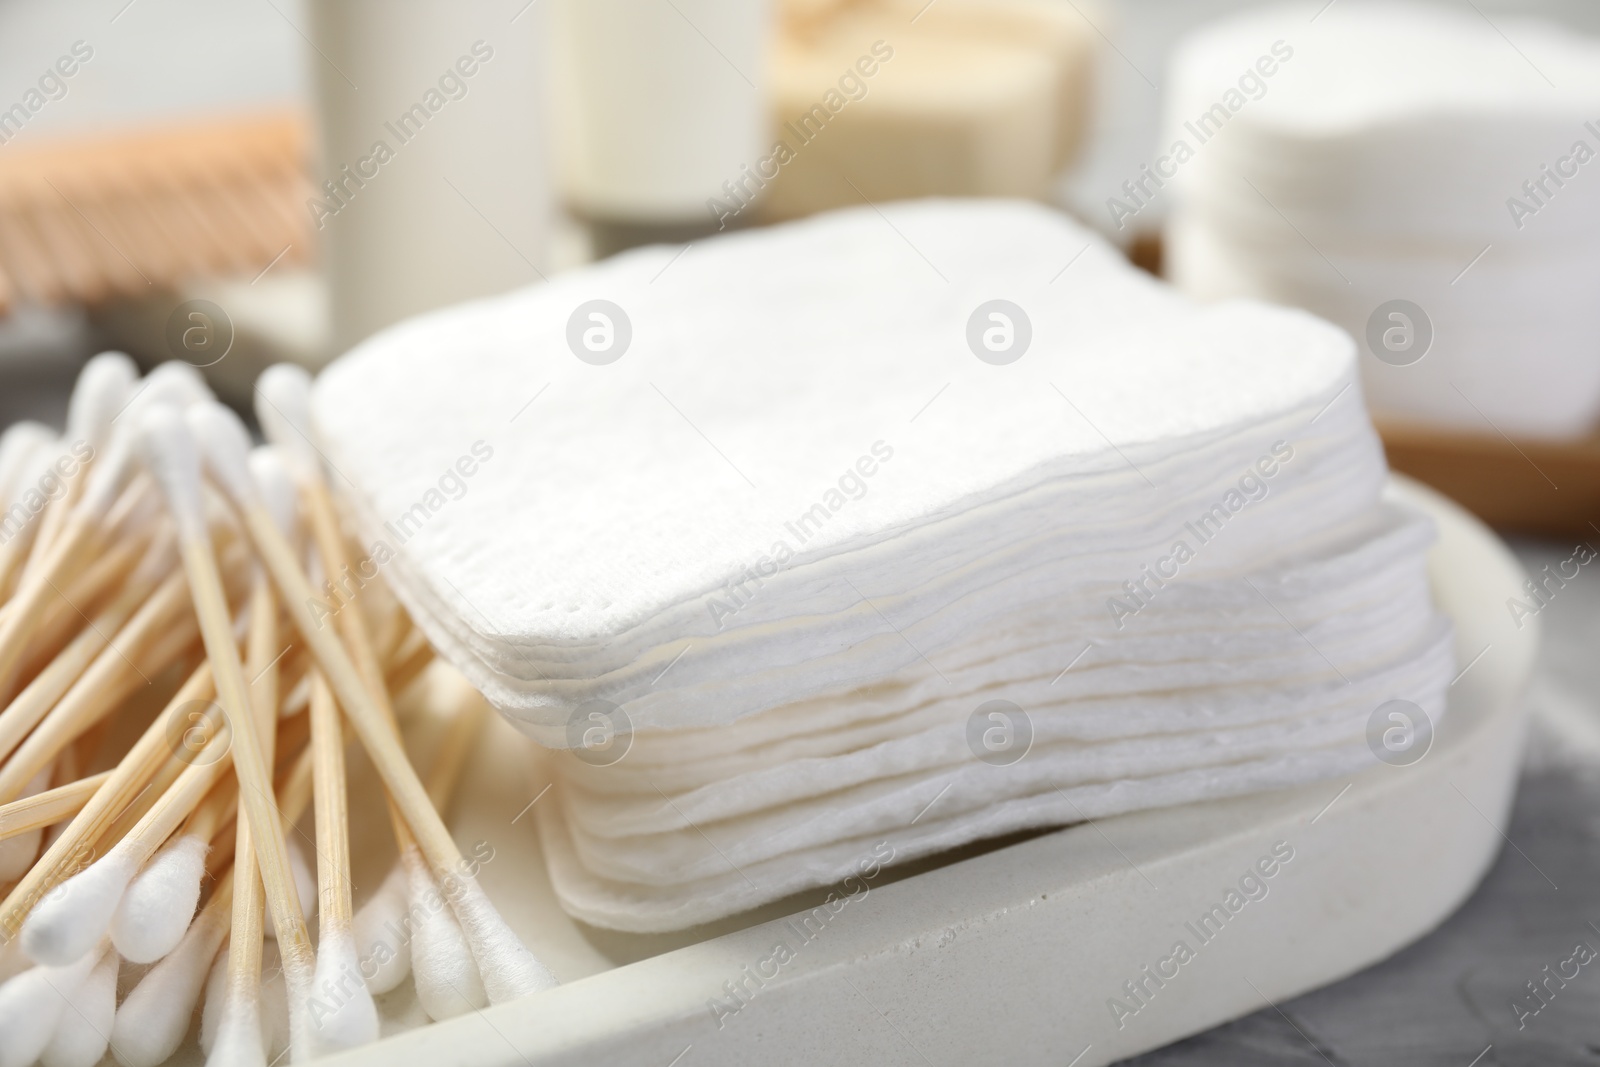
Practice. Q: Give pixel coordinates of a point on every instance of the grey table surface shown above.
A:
(1452, 999)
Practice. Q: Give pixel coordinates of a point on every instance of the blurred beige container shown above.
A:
(889, 99)
(657, 104)
(431, 173)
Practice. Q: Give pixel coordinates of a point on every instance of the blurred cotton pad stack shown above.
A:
(1418, 175)
(794, 577)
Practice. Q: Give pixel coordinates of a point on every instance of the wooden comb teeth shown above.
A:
(87, 219)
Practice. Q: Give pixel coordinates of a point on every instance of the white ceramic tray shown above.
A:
(1012, 954)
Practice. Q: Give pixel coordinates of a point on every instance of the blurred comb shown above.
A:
(90, 218)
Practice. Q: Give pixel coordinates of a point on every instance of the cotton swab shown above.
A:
(160, 1005)
(239, 1011)
(409, 661)
(214, 1011)
(84, 523)
(154, 637)
(224, 1047)
(341, 1011)
(20, 446)
(381, 923)
(171, 456)
(116, 794)
(369, 938)
(509, 969)
(378, 929)
(103, 388)
(84, 1031)
(155, 1014)
(31, 1006)
(158, 904)
(23, 459)
(446, 976)
(66, 924)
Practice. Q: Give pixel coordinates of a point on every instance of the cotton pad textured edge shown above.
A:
(1022, 931)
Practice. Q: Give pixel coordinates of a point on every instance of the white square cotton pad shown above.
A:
(783, 511)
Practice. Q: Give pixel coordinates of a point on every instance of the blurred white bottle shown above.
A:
(431, 186)
(658, 104)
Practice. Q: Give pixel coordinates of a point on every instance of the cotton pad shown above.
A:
(541, 571)
(757, 579)
(1389, 152)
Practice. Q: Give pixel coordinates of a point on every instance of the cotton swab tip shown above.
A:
(379, 930)
(278, 492)
(283, 407)
(169, 452)
(340, 1009)
(442, 968)
(30, 1007)
(159, 902)
(238, 1041)
(66, 925)
(84, 1031)
(226, 445)
(179, 382)
(104, 387)
(20, 442)
(218, 996)
(155, 1015)
(509, 970)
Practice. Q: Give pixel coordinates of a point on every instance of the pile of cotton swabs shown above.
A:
(152, 547)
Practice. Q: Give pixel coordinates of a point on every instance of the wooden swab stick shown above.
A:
(350, 619)
(499, 953)
(158, 635)
(185, 750)
(170, 454)
(240, 1034)
(41, 694)
(100, 587)
(50, 807)
(136, 768)
(154, 638)
(96, 578)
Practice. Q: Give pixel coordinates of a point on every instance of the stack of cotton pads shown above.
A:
(805, 555)
(1424, 177)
